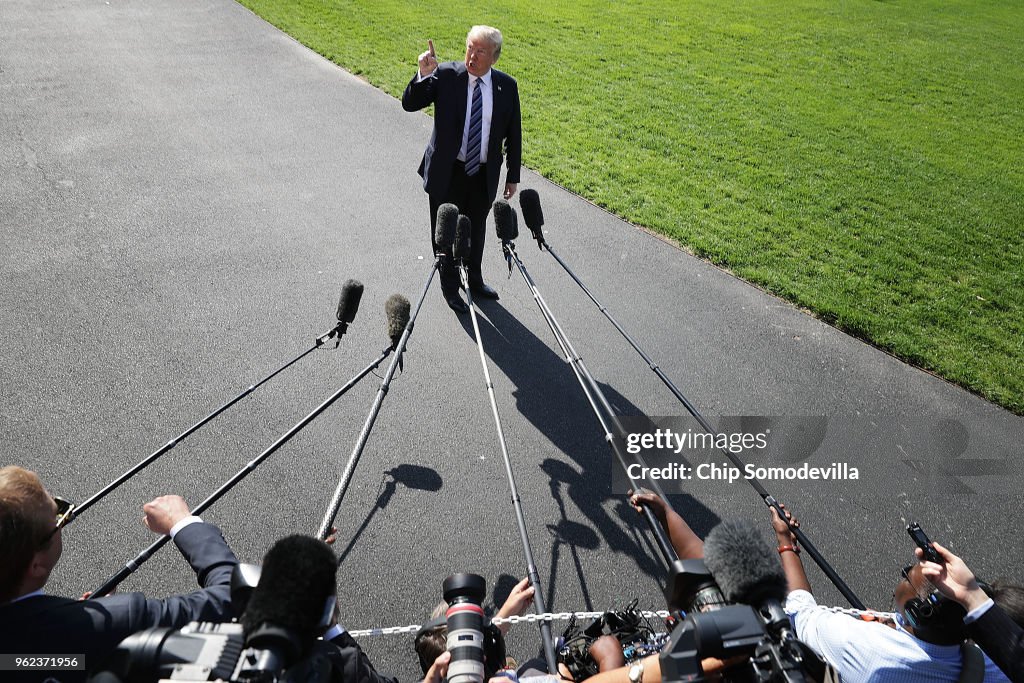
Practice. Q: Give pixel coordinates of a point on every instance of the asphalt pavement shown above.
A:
(184, 190)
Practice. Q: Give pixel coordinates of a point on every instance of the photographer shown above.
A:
(431, 643)
(992, 628)
(31, 545)
(917, 649)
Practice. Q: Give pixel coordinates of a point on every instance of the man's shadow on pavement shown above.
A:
(548, 394)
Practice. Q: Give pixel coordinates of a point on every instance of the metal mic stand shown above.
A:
(539, 604)
(594, 395)
(768, 499)
(338, 330)
(325, 526)
(112, 583)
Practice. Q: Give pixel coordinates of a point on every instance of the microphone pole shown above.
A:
(351, 292)
(110, 584)
(534, 218)
(396, 302)
(507, 232)
(461, 251)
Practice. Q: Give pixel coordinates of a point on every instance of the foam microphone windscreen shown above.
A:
(397, 310)
(745, 564)
(297, 579)
(444, 227)
(348, 304)
(506, 222)
(460, 245)
(529, 202)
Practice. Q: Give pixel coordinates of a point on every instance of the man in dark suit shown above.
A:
(476, 127)
(992, 629)
(32, 622)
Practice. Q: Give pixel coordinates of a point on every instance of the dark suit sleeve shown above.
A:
(212, 560)
(419, 95)
(355, 666)
(514, 142)
(1002, 640)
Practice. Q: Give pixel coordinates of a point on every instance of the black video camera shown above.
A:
(282, 608)
(708, 625)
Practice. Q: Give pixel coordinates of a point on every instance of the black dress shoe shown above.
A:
(485, 291)
(456, 303)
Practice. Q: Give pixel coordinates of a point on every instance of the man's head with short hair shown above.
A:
(483, 47)
(432, 642)
(27, 544)
(945, 626)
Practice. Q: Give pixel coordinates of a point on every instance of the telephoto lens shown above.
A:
(464, 594)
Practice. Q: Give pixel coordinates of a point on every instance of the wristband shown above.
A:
(785, 548)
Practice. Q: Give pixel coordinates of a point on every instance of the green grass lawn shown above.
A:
(860, 158)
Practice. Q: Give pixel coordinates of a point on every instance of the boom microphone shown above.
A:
(351, 293)
(293, 602)
(529, 201)
(744, 563)
(506, 223)
(397, 309)
(460, 244)
(444, 226)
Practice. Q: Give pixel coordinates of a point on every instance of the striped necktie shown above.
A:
(476, 125)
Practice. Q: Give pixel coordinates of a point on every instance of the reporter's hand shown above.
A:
(954, 579)
(428, 60)
(653, 501)
(517, 603)
(164, 512)
(438, 671)
(607, 652)
(782, 529)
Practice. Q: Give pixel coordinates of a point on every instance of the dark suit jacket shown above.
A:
(447, 89)
(1002, 640)
(50, 624)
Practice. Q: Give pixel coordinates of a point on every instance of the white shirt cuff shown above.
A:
(191, 519)
(420, 77)
(978, 611)
(333, 632)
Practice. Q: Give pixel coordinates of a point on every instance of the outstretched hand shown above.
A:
(783, 530)
(641, 498)
(164, 512)
(953, 578)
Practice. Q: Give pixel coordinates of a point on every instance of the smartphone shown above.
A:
(921, 539)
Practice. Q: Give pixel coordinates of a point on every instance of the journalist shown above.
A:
(32, 622)
(996, 631)
(432, 643)
(926, 645)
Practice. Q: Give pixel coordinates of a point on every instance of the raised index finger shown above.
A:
(430, 45)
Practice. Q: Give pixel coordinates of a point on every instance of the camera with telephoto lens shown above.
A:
(743, 619)
(476, 645)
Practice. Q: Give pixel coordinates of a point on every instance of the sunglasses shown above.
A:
(65, 508)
